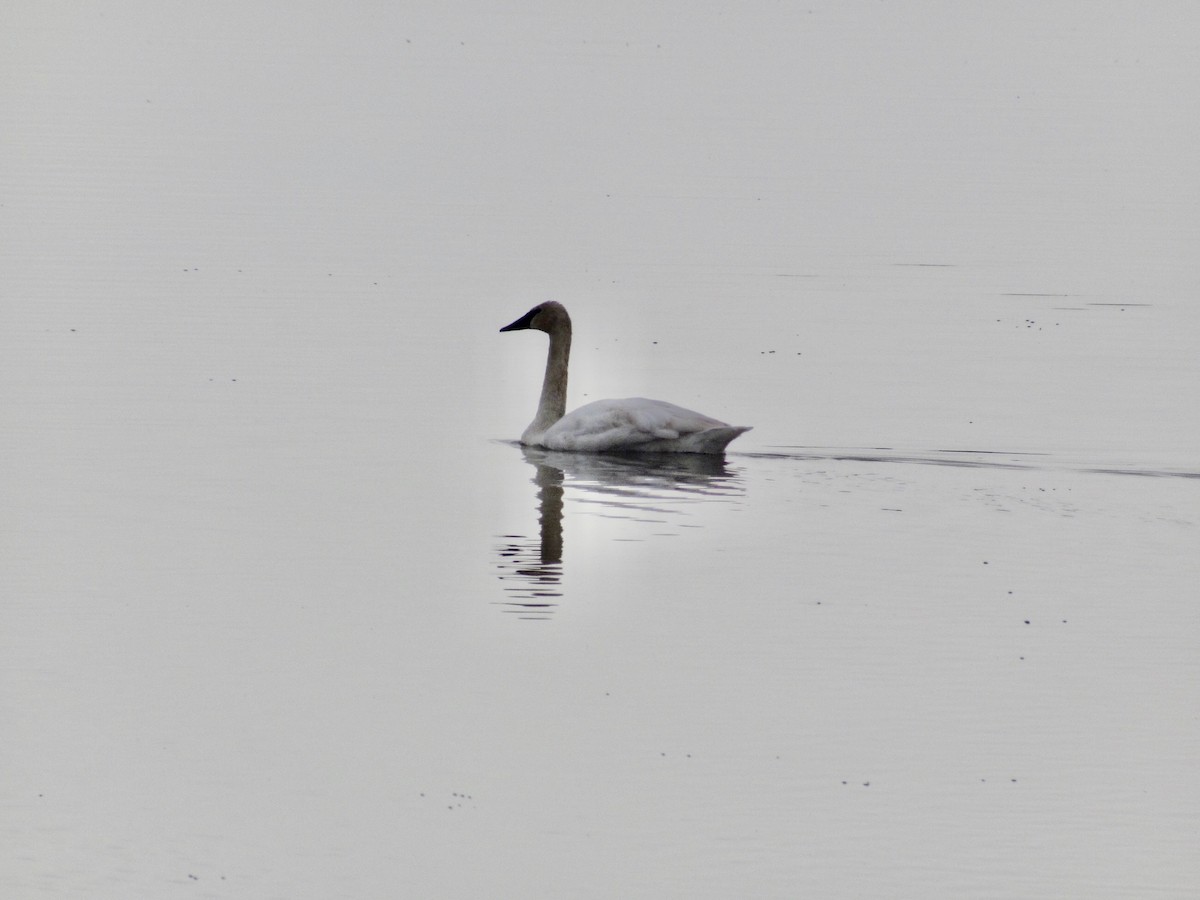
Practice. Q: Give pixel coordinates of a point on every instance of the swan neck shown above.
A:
(553, 404)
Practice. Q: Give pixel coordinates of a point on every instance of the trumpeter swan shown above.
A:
(633, 424)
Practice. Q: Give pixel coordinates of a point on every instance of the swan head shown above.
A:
(548, 317)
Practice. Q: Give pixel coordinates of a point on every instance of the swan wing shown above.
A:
(636, 423)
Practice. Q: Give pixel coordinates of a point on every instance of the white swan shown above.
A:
(634, 424)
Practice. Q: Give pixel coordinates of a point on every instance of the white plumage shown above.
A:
(632, 424)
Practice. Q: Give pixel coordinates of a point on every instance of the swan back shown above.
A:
(639, 424)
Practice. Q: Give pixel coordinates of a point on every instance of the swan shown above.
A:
(633, 424)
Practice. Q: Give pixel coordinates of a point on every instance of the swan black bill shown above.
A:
(521, 323)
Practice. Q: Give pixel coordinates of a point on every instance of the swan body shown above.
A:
(632, 424)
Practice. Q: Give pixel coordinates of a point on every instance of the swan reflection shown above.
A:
(645, 489)
(532, 570)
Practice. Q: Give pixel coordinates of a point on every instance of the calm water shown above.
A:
(286, 612)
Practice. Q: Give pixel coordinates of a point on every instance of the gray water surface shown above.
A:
(286, 612)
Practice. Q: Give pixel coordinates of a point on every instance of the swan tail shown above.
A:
(710, 440)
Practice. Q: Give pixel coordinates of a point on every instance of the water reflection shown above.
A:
(989, 459)
(651, 489)
(532, 570)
